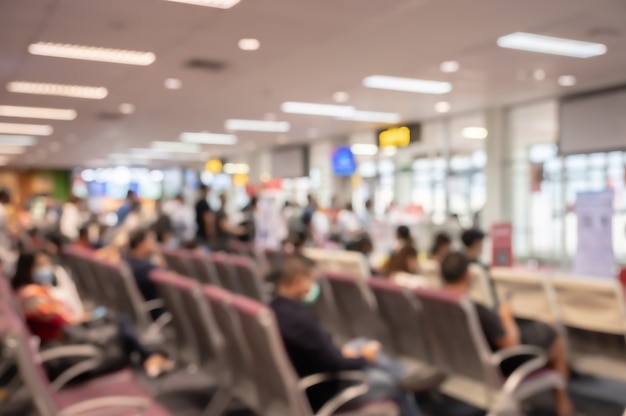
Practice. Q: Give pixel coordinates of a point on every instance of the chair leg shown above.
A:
(219, 403)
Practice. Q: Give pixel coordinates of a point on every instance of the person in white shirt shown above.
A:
(71, 220)
(183, 218)
(348, 224)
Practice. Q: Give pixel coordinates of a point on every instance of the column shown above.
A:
(403, 183)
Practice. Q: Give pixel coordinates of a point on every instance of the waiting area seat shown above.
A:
(336, 261)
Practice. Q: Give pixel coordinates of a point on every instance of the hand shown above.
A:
(505, 310)
(349, 352)
(370, 351)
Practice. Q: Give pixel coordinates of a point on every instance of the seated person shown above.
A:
(141, 262)
(441, 247)
(83, 239)
(48, 314)
(473, 243)
(115, 251)
(404, 256)
(502, 331)
(311, 350)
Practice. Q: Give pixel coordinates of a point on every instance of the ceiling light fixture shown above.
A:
(37, 112)
(127, 108)
(249, 44)
(40, 88)
(341, 97)
(476, 133)
(551, 45)
(18, 140)
(209, 138)
(449, 66)
(173, 83)
(218, 4)
(257, 125)
(443, 107)
(362, 149)
(176, 147)
(384, 82)
(374, 117)
(92, 53)
(26, 129)
(8, 149)
(567, 80)
(539, 74)
(341, 111)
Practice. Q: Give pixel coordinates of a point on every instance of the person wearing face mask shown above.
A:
(312, 351)
(48, 314)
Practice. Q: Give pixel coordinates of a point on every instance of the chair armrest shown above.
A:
(342, 398)
(519, 375)
(314, 379)
(90, 407)
(92, 359)
(498, 357)
(67, 351)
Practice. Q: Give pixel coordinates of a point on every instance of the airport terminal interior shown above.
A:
(313, 207)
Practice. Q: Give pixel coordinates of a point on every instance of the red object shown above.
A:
(502, 245)
(622, 276)
(273, 184)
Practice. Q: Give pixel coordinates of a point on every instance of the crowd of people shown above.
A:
(52, 306)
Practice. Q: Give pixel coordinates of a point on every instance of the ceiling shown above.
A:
(309, 50)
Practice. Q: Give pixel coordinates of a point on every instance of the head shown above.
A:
(473, 242)
(180, 199)
(296, 241)
(363, 245)
(441, 246)
(33, 268)
(141, 244)
(53, 244)
(296, 277)
(223, 200)
(5, 197)
(135, 205)
(349, 207)
(311, 200)
(369, 205)
(205, 190)
(403, 234)
(131, 196)
(455, 272)
(83, 235)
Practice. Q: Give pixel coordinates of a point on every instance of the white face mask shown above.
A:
(44, 276)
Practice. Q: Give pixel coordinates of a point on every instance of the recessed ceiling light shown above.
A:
(477, 133)
(282, 139)
(374, 117)
(539, 74)
(249, 44)
(26, 129)
(567, 80)
(8, 149)
(173, 84)
(551, 45)
(40, 88)
(54, 147)
(315, 109)
(362, 149)
(127, 108)
(449, 66)
(443, 107)
(18, 140)
(341, 97)
(208, 138)
(257, 125)
(176, 147)
(407, 84)
(37, 112)
(92, 53)
(218, 4)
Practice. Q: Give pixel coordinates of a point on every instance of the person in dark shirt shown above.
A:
(224, 230)
(403, 259)
(127, 207)
(142, 248)
(311, 349)
(473, 242)
(204, 216)
(503, 331)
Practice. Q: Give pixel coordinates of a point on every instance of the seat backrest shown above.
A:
(177, 261)
(275, 378)
(249, 281)
(431, 271)
(527, 291)
(400, 311)
(128, 298)
(18, 341)
(325, 308)
(357, 307)
(225, 272)
(337, 261)
(482, 290)
(204, 269)
(454, 334)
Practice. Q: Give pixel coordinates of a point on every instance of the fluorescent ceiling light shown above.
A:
(75, 91)
(176, 147)
(364, 149)
(249, 44)
(26, 129)
(423, 86)
(218, 4)
(551, 45)
(209, 138)
(478, 133)
(375, 117)
(173, 84)
(18, 140)
(449, 66)
(92, 53)
(341, 111)
(567, 80)
(37, 112)
(257, 125)
(443, 107)
(127, 108)
(8, 149)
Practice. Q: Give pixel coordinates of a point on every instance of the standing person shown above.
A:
(224, 229)
(309, 210)
(348, 224)
(205, 220)
(183, 219)
(368, 215)
(403, 259)
(7, 257)
(71, 220)
(249, 220)
(502, 331)
(126, 207)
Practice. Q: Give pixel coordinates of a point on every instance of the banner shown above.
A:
(594, 252)
(502, 244)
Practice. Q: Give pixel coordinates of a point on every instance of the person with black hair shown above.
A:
(404, 258)
(503, 331)
(83, 239)
(142, 249)
(441, 247)
(248, 224)
(473, 241)
(204, 216)
(126, 207)
(312, 351)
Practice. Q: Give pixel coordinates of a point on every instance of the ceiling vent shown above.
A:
(202, 64)
(109, 116)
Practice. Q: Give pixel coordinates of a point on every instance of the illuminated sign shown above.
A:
(213, 166)
(399, 136)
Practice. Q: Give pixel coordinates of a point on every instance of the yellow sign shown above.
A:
(396, 137)
(240, 179)
(213, 166)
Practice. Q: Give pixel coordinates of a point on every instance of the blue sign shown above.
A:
(343, 162)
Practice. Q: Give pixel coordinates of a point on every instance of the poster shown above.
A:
(502, 244)
(594, 251)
